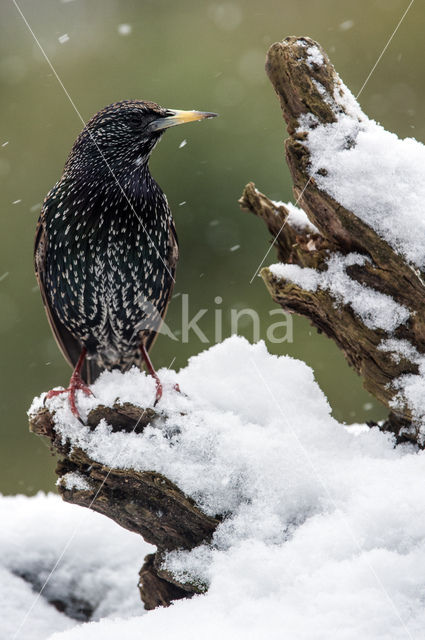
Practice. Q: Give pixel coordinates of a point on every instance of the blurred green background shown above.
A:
(186, 54)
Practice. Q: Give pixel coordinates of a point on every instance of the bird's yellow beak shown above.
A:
(177, 116)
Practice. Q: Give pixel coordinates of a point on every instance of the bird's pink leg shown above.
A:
(76, 383)
(152, 372)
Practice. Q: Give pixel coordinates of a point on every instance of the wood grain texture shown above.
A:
(145, 502)
(296, 80)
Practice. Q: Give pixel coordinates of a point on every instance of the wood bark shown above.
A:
(296, 82)
(144, 502)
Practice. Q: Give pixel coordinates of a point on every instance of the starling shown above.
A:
(106, 247)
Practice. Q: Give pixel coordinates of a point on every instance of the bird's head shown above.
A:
(124, 134)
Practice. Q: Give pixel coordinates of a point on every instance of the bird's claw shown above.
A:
(76, 384)
(158, 395)
(159, 390)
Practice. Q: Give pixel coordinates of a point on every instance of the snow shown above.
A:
(306, 278)
(370, 171)
(74, 480)
(297, 218)
(182, 144)
(64, 38)
(323, 533)
(410, 386)
(377, 310)
(17, 598)
(99, 566)
(124, 29)
(314, 56)
(322, 90)
(346, 25)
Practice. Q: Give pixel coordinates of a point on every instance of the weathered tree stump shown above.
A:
(306, 88)
(149, 503)
(145, 502)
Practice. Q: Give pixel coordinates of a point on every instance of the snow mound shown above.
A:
(323, 533)
(370, 171)
(97, 574)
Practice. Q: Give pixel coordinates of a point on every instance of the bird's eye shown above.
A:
(135, 121)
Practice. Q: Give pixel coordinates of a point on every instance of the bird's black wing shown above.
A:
(69, 346)
(171, 261)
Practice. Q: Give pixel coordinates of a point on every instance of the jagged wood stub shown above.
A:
(296, 81)
(144, 502)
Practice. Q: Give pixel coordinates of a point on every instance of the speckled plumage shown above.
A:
(106, 248)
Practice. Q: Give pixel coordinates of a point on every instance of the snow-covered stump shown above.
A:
(321, 525)
(145, 502)
(353, 259)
